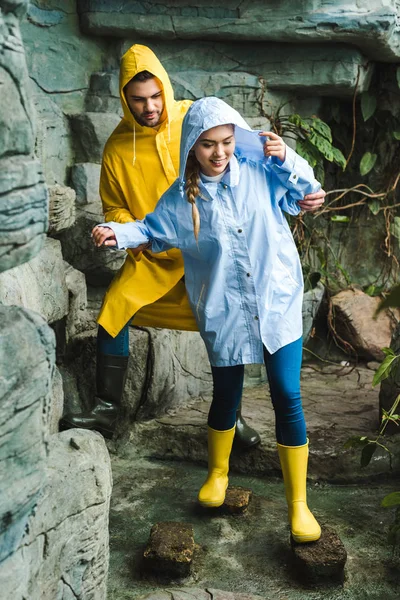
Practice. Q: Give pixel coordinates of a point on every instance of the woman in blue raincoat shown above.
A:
(243, 277)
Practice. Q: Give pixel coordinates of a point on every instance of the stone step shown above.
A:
(338, 403)
(371, 26)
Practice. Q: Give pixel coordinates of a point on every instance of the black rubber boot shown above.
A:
(245, 436)
(110, 383)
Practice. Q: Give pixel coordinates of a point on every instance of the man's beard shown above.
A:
(145, 123)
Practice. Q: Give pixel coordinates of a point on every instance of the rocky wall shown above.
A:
(53, 536)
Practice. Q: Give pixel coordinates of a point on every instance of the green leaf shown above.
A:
(396, 135)
(398, 76)
(391, 301)
(368, 105)
(370, 290)
(322, 128)
(395, 228)
(367, 453)
(295, 120)
(322, 144)
(383, 370)
(367, 163)
(340, 218)
(388, 351)
(356, 442)
(302, 148)
(374, 206)
(390, 500)
(338, 157)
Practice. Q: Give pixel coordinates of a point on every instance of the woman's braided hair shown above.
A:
(192, 177)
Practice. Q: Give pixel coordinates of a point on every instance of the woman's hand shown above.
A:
(312, 201)
(275, 146)
(103, 236)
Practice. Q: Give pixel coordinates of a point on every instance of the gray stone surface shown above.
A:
(23, 210)
(25, 387)
(64, 552)
(39, 284)
(91, 131)
(297, 69)
(62, 211)
(23, 205)
(201, 69)
(79, 318)
(54, 145)
(99, 264)
(338, 403)
(85, 179)
(311, 302)
(178, 371)
(56, 404)
(371, 26)
(60, 58)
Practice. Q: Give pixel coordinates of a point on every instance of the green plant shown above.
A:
(369, 446)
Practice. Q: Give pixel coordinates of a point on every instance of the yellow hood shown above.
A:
(140, 58)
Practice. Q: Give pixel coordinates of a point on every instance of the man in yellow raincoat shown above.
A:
(140, 162)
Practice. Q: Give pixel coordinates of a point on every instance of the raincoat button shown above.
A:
(248, 274)
(240, 230)
(225, 186)
(256, 318)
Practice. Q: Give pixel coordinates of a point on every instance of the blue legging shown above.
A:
(283, 370)
(117, 346)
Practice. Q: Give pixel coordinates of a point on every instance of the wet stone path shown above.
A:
(243, 557)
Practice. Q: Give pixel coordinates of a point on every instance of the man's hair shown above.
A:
(142, 76)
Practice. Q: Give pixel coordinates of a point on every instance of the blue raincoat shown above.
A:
(243, 277)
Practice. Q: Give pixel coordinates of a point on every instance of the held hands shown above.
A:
(103, 236)
(274, 146)
(312, 202)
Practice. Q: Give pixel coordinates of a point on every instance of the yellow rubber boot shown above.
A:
(219, 450)
(294, 460)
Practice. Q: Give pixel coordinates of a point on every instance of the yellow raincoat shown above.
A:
(139, 164)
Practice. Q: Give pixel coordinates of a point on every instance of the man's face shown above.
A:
(146, 101)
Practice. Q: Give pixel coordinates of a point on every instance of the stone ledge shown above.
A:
(373, 27)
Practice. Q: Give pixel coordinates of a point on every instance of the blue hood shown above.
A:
(210, 112)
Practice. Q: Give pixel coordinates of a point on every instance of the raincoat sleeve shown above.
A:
(112, 197)
(294, 179)
(156, 229)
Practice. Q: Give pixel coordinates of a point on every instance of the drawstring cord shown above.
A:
(134, 144)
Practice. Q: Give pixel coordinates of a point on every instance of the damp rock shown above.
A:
(237, 500)
(322, 560)
(169, 552)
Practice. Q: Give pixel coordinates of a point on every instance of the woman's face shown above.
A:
(214, 149)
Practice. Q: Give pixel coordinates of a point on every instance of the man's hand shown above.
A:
(312, 201)
(275, 146)
(103, 236)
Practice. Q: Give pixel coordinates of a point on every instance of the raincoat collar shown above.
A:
(210, 112)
